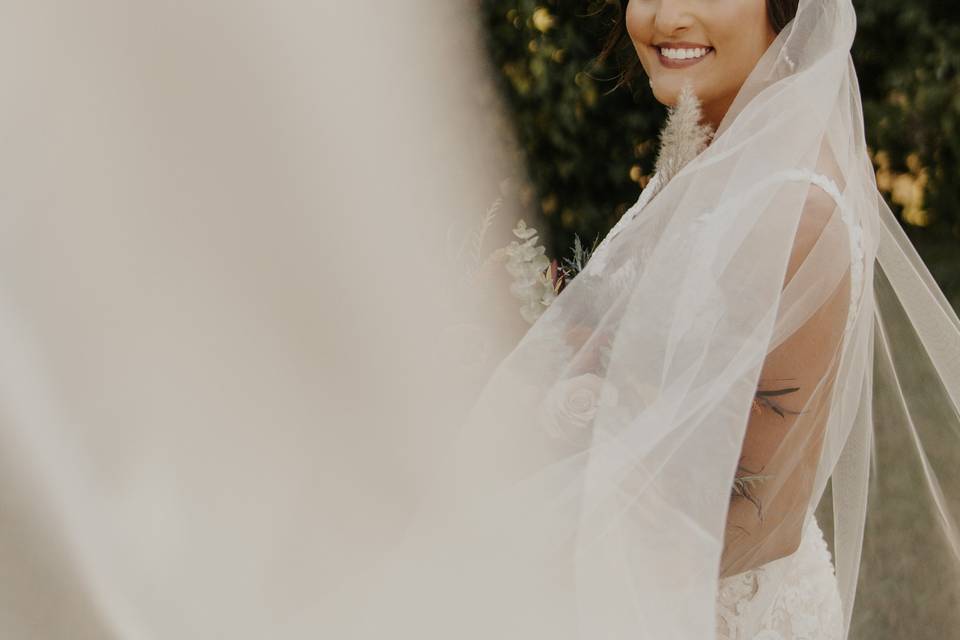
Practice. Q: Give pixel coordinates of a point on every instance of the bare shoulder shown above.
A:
(819, 208)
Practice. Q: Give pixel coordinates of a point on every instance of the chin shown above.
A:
(666, 94)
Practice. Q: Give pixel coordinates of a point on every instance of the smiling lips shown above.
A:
(678, 55)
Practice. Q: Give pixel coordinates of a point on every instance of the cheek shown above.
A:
(741, 33)
(744, 27)
(633, 19)
(639, 20)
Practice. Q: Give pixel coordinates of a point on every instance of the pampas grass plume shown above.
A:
(683, 137)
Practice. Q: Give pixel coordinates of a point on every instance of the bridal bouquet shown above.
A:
(537, 279)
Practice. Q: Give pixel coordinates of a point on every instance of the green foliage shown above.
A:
(907, 57)
(579, 144)
(588, 150)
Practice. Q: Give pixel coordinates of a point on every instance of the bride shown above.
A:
(713, 48)
(647, 461)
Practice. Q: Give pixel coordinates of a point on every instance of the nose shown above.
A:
(672, 16)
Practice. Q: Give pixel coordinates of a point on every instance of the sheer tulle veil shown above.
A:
(588, 495)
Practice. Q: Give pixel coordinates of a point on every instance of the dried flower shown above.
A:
(573, 266)
(683, 137)
(472, 244)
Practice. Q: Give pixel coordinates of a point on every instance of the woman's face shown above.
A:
(734, 34)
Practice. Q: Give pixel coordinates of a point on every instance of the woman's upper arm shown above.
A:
(784, 435)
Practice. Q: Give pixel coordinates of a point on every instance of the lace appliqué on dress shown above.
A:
(793, 598)
(855, 234)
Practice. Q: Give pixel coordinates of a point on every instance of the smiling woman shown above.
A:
(670, 40)
(733, 35)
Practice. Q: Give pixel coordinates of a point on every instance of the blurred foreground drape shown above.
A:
(206, 210)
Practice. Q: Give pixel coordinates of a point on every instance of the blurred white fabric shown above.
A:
(221, 222)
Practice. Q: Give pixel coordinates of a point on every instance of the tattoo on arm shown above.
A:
(746, 479)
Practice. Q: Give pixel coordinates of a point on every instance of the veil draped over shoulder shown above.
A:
(592, 480)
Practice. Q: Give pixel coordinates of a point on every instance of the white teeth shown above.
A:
(684, 54)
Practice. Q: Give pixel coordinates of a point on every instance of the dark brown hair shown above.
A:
(618, 43)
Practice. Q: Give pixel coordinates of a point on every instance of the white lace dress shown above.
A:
(792, 598)
(796, 597)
